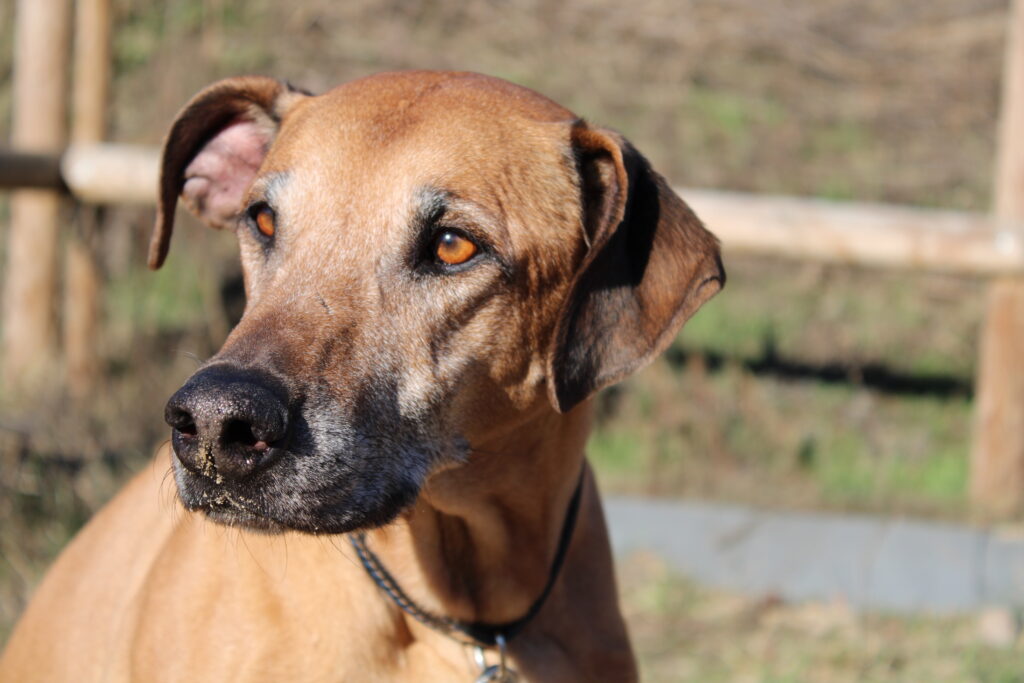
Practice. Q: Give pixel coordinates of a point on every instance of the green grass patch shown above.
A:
(729, 434)
(917, 324)
(171, 297)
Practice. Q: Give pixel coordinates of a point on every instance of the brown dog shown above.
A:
(441, 269)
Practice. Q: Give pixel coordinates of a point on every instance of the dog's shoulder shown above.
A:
(81, 612)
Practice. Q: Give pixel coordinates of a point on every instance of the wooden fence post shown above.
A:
(82, 280)
(997, 447)
(38, 124)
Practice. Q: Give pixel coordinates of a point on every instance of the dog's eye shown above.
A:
(263, 219)
(453, 249)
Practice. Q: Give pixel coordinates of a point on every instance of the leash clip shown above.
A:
(495, 673)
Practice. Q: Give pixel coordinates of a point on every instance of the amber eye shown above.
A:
(453, 249)
(265, 221)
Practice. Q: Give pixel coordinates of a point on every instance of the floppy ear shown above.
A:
(650, 266)
(214, 149)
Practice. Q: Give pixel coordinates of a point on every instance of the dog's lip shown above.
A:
(231, 515)
(221, 498)
(251, 503)
(227, 507)
(223, 504)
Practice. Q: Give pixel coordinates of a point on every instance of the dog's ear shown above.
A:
(214, 148)
(649, 267)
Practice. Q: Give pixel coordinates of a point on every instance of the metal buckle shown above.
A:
(495, 673)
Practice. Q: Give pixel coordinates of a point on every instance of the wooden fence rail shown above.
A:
(23, 170)
(849, 233)
(861, 233)
(100, 173)
(112, 174)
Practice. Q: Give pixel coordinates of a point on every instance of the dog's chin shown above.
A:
(336, 523)
(240, 519)
(266, 513)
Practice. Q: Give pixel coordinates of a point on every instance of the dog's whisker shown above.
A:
(193, 357)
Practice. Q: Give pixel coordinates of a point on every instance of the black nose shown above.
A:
(228, 422)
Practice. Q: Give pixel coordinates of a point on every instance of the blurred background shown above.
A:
(809, 386)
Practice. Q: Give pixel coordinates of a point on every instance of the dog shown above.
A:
(381, 475)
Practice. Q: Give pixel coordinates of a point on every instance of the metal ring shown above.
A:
(499, 640)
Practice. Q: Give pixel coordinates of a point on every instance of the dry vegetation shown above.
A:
(686, 632)
(847, 98)
(867, 99)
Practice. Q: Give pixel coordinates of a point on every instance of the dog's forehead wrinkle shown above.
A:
(432, 202)
(268, 187)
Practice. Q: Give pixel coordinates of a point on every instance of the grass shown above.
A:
(754, 404)
(146, 301)
(783, 443)
(913, 323)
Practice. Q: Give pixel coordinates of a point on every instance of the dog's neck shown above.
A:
(480, 542)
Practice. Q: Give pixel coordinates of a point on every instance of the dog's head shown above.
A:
(426, 255)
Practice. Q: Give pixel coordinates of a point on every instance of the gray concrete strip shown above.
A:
(895, 565)
(1003, 570)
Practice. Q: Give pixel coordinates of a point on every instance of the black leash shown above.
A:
(477, 632)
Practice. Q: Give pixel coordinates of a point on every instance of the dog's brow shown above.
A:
(268, 187)
(435, 203)
(432, 203)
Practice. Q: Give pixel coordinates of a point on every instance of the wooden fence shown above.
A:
(863, 234)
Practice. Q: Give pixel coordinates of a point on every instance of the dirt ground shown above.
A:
(685, 632)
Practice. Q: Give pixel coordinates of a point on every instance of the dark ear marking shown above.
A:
(256, 102)
(650, 266)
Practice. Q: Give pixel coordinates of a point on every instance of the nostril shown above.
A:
(239, 432)
(182, 421)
